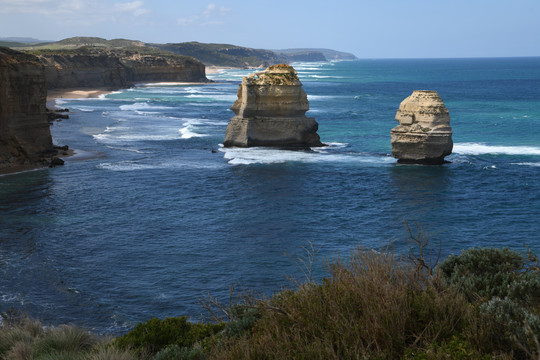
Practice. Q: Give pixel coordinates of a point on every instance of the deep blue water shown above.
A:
(155, 220)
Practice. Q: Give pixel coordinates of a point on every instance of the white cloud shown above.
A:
(210, 15)
(85, 11)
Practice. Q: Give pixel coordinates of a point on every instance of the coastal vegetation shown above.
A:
(481, 304)
(210, 54)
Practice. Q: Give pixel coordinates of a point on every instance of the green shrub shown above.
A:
(156, 334)
(515, 327)
(455, 348)
(505, 287)
(175, 352)
(483, 272)
(244, 320)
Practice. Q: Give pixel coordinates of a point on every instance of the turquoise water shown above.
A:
(146, 219)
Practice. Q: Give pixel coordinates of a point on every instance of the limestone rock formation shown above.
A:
(424, 135)
(116, 68)
(25, 138)
(270, 111)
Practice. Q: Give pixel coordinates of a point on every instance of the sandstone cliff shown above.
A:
(25, 138)
(115, 68)
(270, 111)
(424, 134)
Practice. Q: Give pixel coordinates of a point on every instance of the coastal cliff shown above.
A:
(270, 111)
(88, 67)
(25, 138)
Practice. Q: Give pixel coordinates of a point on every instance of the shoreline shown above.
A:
(96, 92)
(212, 69)
(19, 169)
(77, 93)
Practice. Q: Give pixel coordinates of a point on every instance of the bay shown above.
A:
(146, 219)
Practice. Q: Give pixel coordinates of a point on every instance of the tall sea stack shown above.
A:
(424, 135)
(270, 111)
(25, 137)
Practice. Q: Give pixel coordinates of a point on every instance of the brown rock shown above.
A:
(116, 68)
(25, 137)
(424, 135)
(270, 111)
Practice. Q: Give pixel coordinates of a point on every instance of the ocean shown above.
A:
(152, 215)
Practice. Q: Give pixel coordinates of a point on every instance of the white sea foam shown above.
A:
(83, 108)
(330, 147)
(104, 96)
(261, 155)
(483, 149)
(534, 164)
(108, 138)
(12, 298)
(128, 149)
(197, 121)
(143, 106)
(325, 77)
(188, 132)
(125, 166)
(321, 97)
(137, 166)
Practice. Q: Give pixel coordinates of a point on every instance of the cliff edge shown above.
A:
(25, 138)
(92, 67)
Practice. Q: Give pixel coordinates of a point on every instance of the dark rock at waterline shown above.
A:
(56, 162)
(55, 114)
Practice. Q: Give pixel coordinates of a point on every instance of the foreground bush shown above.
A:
(505, 287)
(372, 306)
(156, 334)
(26, 339)
(481, 304)
(377, 306)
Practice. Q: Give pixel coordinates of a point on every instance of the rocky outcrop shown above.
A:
(114, 68)
(270, 111)
(424, 135)
(145, 68)
(25, 138)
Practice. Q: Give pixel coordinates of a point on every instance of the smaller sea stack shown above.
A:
(270, 111)
(424, 135)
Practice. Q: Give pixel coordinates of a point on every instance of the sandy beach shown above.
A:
(52, 95)
(216, 69)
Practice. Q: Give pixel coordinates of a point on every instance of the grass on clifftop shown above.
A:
(481, 304)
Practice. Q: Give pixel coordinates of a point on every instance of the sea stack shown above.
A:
(424, 135)
(270, 111)
(25, 137)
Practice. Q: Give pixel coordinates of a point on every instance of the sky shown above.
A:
(366, 28)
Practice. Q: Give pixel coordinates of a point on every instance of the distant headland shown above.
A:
(226, 55)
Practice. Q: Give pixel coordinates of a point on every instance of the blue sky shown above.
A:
(367, 28)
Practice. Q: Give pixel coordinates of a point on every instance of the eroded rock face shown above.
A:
(94, 67)
(424, 135)
(270, 111)
(25, 137)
